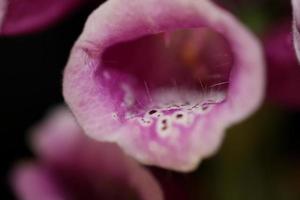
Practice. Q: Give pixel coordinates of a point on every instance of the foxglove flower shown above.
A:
(163, 78)
(25, 16)
(73, 166)
(283, 70)
(296, 26)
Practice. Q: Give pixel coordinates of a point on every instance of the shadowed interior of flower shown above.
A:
(163, 81)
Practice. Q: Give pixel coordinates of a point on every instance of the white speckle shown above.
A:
(145, 121)
(164, 126)
(187, 100)
(129, 115)
(204, 107)
(183, 118)
(128, 95)
(115, 116)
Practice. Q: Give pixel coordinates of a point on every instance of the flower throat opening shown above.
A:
(179, 72)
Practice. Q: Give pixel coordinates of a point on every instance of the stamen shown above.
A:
(219, 84)
(148, 91)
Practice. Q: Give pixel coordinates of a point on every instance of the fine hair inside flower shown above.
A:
(167, 77)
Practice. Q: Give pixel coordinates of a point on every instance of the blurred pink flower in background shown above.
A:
(283, 68)
(72, 166)
(164, 78)
(296, 26)
(26, 16)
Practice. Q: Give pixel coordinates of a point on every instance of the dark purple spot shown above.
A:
(205, 106)
(152, 112)
(178, 116)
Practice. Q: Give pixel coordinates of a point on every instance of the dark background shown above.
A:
(31, 77)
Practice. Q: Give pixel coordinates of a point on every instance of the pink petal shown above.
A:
(296, 26)
(25, 16)
(103, 83)
(283, 69)
(33, 182)
(3, 5)
(72, 165)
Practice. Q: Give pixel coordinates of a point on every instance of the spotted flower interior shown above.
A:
(164, 81)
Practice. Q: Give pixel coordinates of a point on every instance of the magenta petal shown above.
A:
(24, 16)
(163, 78)
(296, 26)
(33, 182)
(73, 166)
(3, 5)
(283, 69)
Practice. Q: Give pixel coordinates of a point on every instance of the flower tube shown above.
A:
(26, 16)
(163, 78)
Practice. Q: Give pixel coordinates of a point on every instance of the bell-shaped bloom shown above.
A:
(25, 16)
(296, 26)
(163, 78)
(72, 166)
(283, 68)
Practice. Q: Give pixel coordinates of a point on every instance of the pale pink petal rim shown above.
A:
(296, 26)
